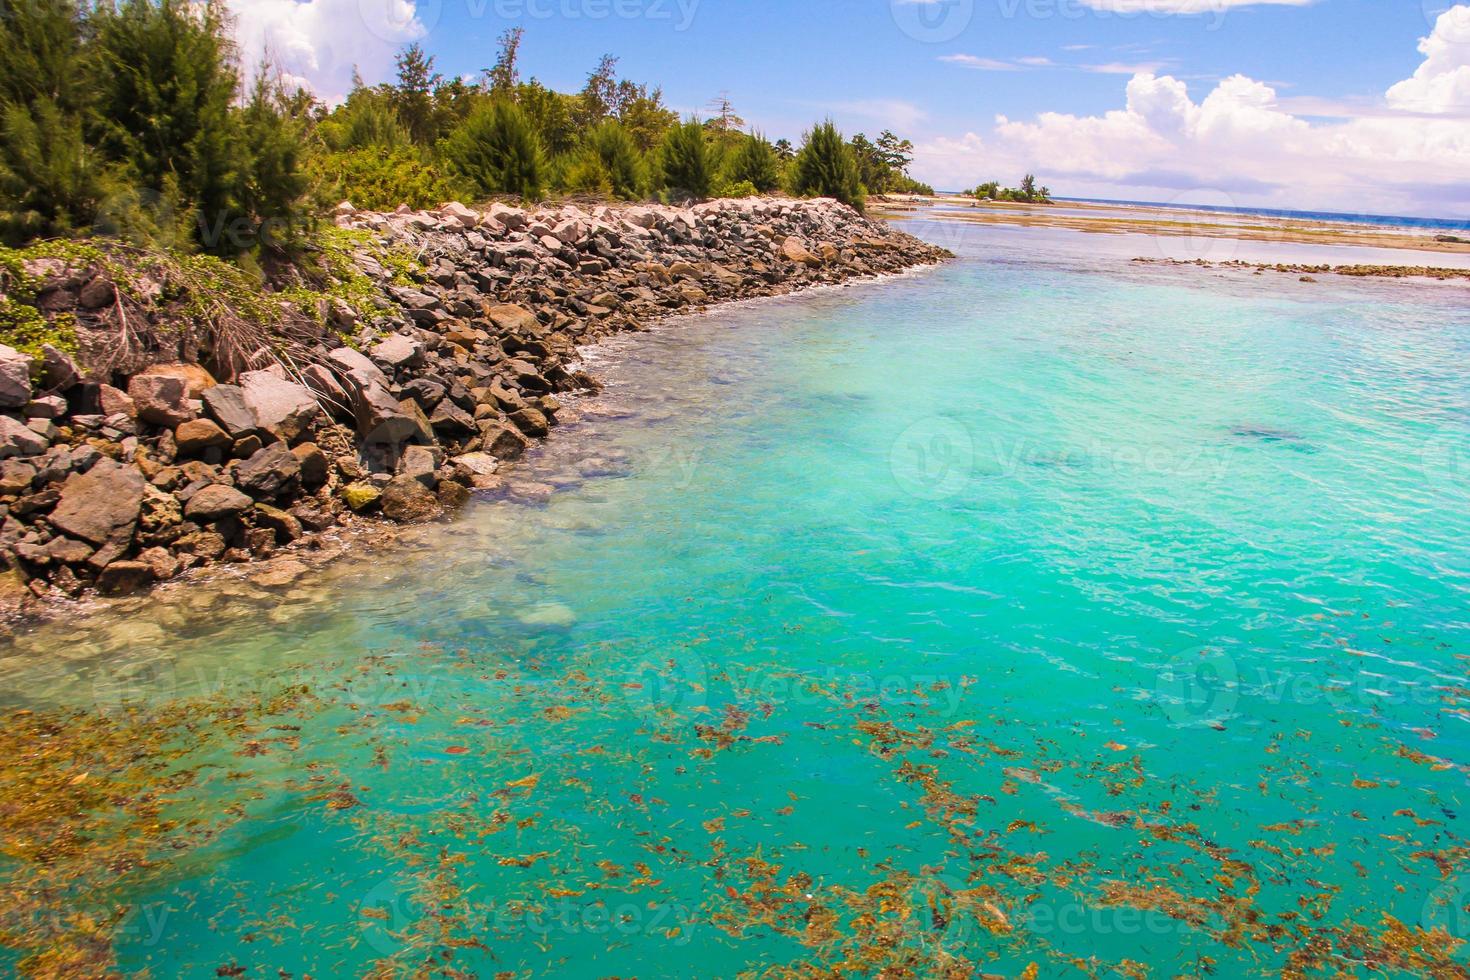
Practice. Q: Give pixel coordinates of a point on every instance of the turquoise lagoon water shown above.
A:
(1039, 609)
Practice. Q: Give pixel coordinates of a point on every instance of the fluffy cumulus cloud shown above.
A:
(1240, 145)
(317, 43)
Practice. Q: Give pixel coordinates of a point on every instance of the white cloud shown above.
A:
(1442, 83)
(978, 63)
(1411, 154)
(317, 43)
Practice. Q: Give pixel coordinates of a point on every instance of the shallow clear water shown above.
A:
(1033, 609)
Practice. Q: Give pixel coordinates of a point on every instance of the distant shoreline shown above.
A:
(1336, 217)
(1181, 223)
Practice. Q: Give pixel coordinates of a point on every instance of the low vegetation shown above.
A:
(1027, 193)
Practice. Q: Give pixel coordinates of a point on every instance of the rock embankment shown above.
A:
(413, 393)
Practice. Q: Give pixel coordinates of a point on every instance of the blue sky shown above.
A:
(1262, 101)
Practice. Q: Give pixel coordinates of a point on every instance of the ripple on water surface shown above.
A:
(1031, 610)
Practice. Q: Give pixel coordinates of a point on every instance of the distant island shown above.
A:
(1027, 193)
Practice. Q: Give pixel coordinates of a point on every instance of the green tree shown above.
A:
(684, 160)
(166, 84)
(785, 151)
(599, 98)
(496, 149)
(617, 155)
(1028, 187)
(642, 112)
(273, 185)
(896, 153)
(873, 171)
(50, 178)
(754, 161)
(414, 95)
(826, 167)
(550, 114)
(505, 77)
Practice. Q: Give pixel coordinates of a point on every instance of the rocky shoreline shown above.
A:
(391, 404)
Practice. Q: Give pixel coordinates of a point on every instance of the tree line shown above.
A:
(136, 118)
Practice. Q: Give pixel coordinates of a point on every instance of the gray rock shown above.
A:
(15, 378)
(114, 401)
(97, 504)
(58, 371)
(216, 502)
(408, 501)
(421, 463)
(270, 472)
(282, 408)
(19, 440)
(161, 399)
(46, 407)
(398, 351)
(381, 419)
(345, 360)
(226, 405)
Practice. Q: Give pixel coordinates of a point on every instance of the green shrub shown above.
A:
(380, 179)
(613, 147)
(684, 160)
(826, 167)
(497, 151)
(753, 161)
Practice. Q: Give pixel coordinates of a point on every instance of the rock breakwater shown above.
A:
(396, 399)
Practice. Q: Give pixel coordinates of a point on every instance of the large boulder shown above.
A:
(345, 360)
(283, 408)
(161, 399)
(381, 418)
(514, 319)
(17, 439)
(408, 501)
(794, 251)
(15, 378)
(398, 351)
(199, 435)
(196, 380)
(270, 472)
(226, 404)
(216, 502)
(97, 504)
(58, 371)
